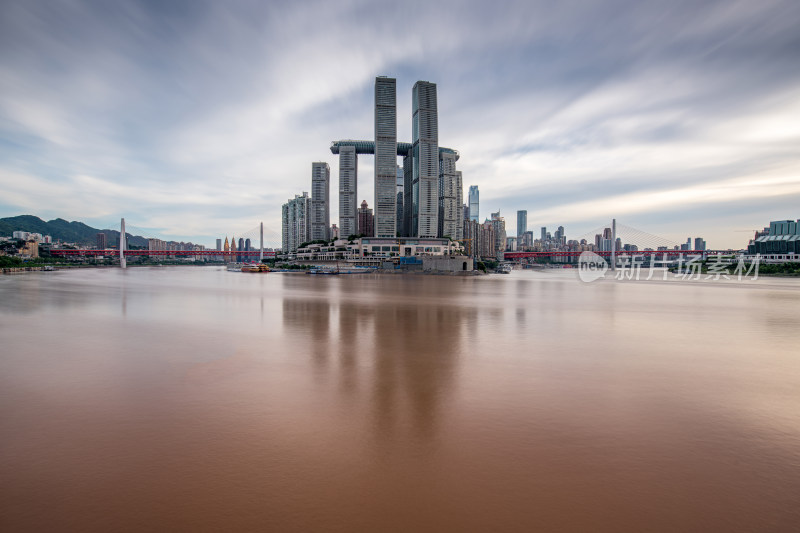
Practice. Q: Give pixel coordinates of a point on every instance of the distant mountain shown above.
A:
(61, 230)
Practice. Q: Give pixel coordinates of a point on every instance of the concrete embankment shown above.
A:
(17, 270)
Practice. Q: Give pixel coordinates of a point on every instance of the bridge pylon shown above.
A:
(122, 262)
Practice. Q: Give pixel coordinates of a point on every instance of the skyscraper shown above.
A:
(522, 222)
(449, 197)
(425, 152)
(320, 201)
(348, 190)
(459, 206)
(474, 197)
(544, 233)
(101, 241)
(699, 244)
(498, 224)
(400, 192)
(296, 227)
(407, 207)
(366, 221)
(409, 220)
(385, 157)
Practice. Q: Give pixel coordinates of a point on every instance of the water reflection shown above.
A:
(411, 350)
(307, 320)
(193, 399)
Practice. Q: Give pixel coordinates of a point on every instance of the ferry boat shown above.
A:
(323, 272)
(256, 268)
(504, 269)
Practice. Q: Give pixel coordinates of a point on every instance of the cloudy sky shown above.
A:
(194, 120)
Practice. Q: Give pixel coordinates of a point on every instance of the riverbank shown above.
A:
(17, 270)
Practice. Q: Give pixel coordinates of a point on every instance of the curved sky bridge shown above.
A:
(368, 147)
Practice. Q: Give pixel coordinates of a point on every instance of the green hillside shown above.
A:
(60, 229)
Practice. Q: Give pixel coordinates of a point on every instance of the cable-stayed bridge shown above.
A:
(257, 243)
(614, 242)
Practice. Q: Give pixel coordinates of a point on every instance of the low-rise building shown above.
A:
(30, 249)
(782, 238)
(377, 248)
(452, 264)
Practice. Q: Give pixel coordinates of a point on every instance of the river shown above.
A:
(196, 399)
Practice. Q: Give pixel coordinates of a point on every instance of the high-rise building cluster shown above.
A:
(232, 249)
(487, 239)
(480, 239)
(308, 218)
(527, 241)
(699, 244)
(420, 199)
(174, 246)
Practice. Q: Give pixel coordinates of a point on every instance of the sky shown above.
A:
(195, 120)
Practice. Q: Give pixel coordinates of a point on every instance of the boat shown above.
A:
(323, 272)
(504, 269)
(256, 268)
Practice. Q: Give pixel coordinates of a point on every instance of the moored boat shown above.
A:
(323, 272)
(504, 269)
(256, 268)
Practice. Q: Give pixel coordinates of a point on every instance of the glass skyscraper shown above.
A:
(425, 152)
(522, 222)
(423, 198)
(473, 203)
(385, 157)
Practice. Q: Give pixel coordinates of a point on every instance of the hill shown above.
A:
(61, 230)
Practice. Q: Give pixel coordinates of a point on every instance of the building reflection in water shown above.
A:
(397, 353)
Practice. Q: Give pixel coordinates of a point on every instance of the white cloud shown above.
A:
(206, 121)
